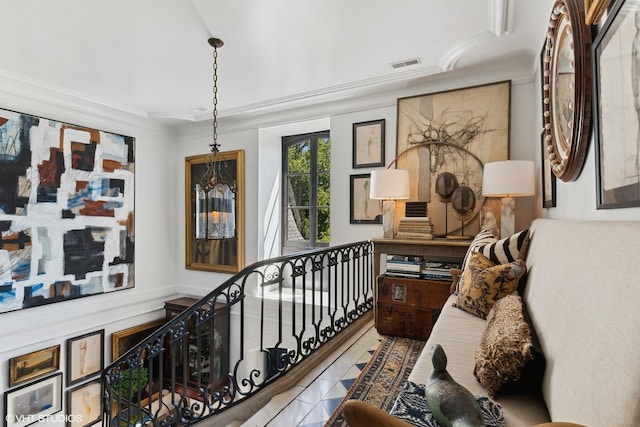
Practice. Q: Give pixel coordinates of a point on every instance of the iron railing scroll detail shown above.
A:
(245, 334)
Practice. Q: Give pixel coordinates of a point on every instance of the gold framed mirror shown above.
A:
(215, 218)
(566, 80)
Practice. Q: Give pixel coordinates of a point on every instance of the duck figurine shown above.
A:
(451, 404)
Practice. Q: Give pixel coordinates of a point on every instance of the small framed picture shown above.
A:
(84, 404)
(363, 210)
(85, 356)
(33, 402)
(368, 144)
(548, 177)
(33, 365)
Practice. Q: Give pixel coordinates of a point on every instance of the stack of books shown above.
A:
(404, 266)
(435, 269)
(415, 228)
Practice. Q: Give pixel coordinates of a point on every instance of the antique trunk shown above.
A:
(409, 307)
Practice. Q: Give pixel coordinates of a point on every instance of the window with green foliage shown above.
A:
(306, 190)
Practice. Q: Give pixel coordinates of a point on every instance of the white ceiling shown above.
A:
(151, 57)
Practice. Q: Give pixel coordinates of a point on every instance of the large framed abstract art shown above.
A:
(453, 133)
(66, 211)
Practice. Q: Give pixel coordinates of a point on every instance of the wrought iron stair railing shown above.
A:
(239, 338)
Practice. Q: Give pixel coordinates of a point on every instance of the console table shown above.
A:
(449, 248)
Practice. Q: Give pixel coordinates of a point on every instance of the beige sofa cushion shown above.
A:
(459, 334)
(583, 294)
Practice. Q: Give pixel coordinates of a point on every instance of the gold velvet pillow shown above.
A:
(483, 283)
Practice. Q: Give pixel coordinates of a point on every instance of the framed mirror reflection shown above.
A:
(214, 189)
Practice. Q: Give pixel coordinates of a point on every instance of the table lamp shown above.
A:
(389, 185)
(508, 179)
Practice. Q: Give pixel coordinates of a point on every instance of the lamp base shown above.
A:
(507, 217)
(388, 208)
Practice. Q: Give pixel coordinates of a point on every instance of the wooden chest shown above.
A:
(409, 307)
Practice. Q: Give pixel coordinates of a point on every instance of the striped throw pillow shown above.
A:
(501, 251)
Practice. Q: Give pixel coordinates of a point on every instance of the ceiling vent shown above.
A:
(405, 63)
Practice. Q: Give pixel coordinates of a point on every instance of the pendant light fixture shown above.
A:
(216, 188)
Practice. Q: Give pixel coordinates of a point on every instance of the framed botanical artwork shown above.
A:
(455, 131)
(122, 341)
(85, 356)
(84, 404)
(33, 402)
(548, 178)
(363, 210)
(617, 116)
(368, 144)
(33, 365)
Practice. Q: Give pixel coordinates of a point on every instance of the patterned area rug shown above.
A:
(384, 376)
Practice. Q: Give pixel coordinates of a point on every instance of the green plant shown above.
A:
(131, 381)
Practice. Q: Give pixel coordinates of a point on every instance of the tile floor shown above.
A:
(311, 402)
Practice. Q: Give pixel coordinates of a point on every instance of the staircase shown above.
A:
(244, 336)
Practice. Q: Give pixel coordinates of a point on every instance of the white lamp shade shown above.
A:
(509, 178)
(389, 184)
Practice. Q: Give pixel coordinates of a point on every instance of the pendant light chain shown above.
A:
(215, 43)
(215, 145)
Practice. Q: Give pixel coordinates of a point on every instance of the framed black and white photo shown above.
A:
(548, 178)
(85, 356)
(368, 144)
(617, 107)
(33, 402)
(363, 209)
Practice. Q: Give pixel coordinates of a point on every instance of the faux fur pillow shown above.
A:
(483, 283)
(506, 347)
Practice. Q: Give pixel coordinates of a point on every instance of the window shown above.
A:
(306, 190)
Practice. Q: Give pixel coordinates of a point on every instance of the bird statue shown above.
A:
(451, 404)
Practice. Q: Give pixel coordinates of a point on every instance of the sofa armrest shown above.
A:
(362, 414)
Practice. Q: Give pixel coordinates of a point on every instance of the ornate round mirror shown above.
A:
(566, 80)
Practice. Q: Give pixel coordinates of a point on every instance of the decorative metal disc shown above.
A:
(446, 184)
(463, 202)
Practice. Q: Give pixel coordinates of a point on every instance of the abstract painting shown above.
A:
(66, 211)
(456, 131)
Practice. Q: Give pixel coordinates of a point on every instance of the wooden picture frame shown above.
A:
(85, 356)
(33, 365)
(221, 254)
(594, 10)
(547, 177)
(362, 209)
(124, 340)
(455, 131)
(368, 144)
(19, 410)
(84, 404)
(616, 122)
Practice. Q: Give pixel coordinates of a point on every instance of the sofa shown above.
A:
(581, 291)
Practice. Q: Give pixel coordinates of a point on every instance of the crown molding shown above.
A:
(450, 58)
